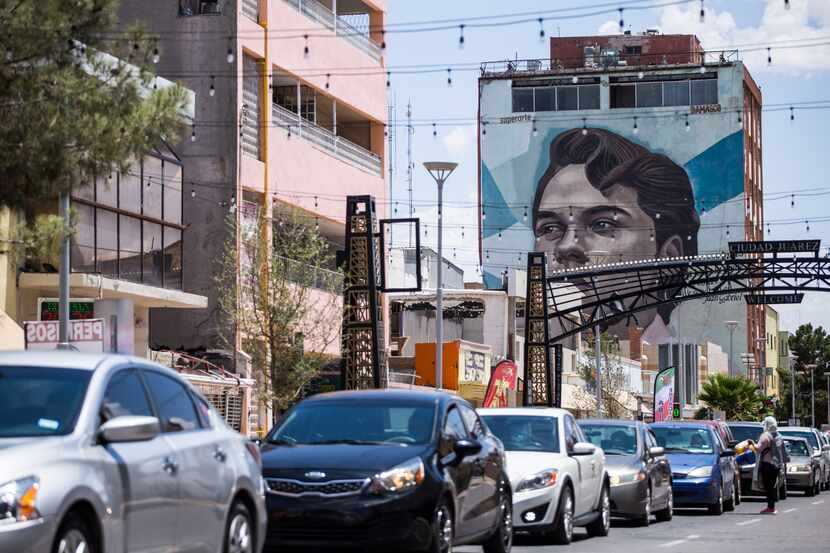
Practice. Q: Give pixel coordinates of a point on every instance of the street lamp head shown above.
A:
(440, 170)
(731, 325)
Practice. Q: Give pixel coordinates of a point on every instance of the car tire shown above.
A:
(502, 539)
(564, 521)
(443, 530)
(74, 535)
(645, 518)
(729, 504)
(601, 526)
(717, 507)
(665, 514)
(239, 530)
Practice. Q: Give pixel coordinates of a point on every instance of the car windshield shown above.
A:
(810, 437)
(797, 449)
(525, 433)
(40, 401)
(353, 422)
(683, 440)
(742, 433)
(612, 438)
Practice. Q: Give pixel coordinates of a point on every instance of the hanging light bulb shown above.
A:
(570, 214)
(230, 56)
(703, 68)
(305, 48)
(487, 253)
(769, 230)
(156, 54)
(315, 202)
(434, 131)
(792, 200)
(584, 127)
(688, 237)
(449, 76)
(155, 82)
(688, 128)
(613, 236)
(635, 130)
(524, 215)
(383, 39)
(727, 230)
(574, 79)
(535, 130)
(317, 224)
(792, 114)
(651, 236)
(192, 192)
(622, 22)
(541, 30)
(483, 128)
(212, 91)
(461, 37)
(499, 234)
(640, 75)
(193, 133)
(808, 225)
(328, 80)
(657, 215)
(769, 55)
(462, 232)
(702, 12)
(483, 214)
(740, 120)
(616, 215)
(388, 79)
(786, 4)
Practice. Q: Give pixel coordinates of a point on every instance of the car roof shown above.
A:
(796, 428)
(745, 423)
(689, 424)
(386, 393)
(794, 439)
(57, 359)
(612, 422)
(526, 411)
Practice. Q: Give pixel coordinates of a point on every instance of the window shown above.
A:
(525, 433)
(472, 422)
(704, 92)
(172, 258)
(172, 192)
(589, 97)
(129, 248)
(567, 98)
(623, 96)
(175, 408)
(651, 440)
(152, 189)
(570, 433)
(545, 99)
(106, 242)
(151, 253)
(614, 439)
(83, 243)
(522, 99)
(454, 428)
(632, 50)
(676, 93)
(203, 409)
(649, 95)
(125, 396)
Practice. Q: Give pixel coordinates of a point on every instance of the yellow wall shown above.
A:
(771, 357)
(11, 334)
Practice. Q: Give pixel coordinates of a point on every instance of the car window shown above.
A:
(679, 439)
(809, 436)
(614, 439)
(472, 421)
(651, 441)
(797, 449)
(743, 433)
(125, 395)
(570, 433)
(172, 401)
(525, 432)
(203, 409)
(454, 426)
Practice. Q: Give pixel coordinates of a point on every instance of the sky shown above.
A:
(794, 152)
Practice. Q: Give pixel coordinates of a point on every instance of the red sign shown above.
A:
(502, 380)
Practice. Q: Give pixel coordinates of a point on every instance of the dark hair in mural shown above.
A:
(611, 160)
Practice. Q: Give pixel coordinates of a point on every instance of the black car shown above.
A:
(746, 458)
(385, 470)
(640, 474)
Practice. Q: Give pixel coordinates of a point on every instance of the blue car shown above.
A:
(703, 467)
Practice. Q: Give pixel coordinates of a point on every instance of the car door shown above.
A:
(205, 478)
(586, 468)
(142, 475)
(727, 464)
(486, 471)
(659, 469)
(459, 471)
(597, 464)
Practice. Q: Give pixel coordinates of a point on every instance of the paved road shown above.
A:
(802, 526)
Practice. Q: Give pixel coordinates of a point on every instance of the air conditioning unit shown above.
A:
(210, 7)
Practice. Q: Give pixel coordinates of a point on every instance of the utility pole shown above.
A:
(812, 368)
(827, 378)
(63, 283)
(598, 353)
(792, 384)
(731, 325)
(409, 166)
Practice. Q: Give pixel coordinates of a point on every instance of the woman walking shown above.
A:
(771, 456)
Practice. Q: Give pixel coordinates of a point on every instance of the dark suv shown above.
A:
(386, 470)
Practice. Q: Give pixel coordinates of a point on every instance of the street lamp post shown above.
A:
(812, 368)
(440, 171)
(792, 384)
(731, 325)
(761, 343)
(827, 378)
(598, 346)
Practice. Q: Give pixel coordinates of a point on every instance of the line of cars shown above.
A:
(110, 453)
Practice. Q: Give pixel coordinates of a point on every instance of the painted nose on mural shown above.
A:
(570, 252)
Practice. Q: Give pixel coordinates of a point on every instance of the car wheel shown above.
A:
(729, 504)
(502, 539)
(442, 530)
(717, 507)
(564, 521)
(645, 518)
(666, 514)
(74, 536)
(602, 524)
(239, 535)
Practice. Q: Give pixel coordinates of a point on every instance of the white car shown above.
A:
(559, 479)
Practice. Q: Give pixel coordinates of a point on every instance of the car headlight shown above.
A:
(700, 472)
(399, 478)
(798, 468)
(18, 499)
(619, 479)
(543, 479)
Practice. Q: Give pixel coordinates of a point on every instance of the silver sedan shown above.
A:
(107, 453)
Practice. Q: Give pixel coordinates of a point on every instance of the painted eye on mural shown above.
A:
(551, 231)
(603, 226)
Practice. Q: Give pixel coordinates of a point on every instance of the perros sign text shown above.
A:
(84, 335)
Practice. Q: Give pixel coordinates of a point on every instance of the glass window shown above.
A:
(472, 421)
(173, 403)
(589, 97)
(173, 192)
(152, 187)
(129, 246)
(454, 426)
(614, 439)
(677, 439)
(106, 189)
(649, 95)
(651, 441)
(40, 401)
(809, 436)
(797, 448)
(545, 98)
(204, 410)
(742, 433)
(85, 191)
(172, 258)
(125, 395)
(373, 422)
(107, 242)
(567, 98)
(525, 433)
(570, 434)
(129, 189)
(622, 96)
(83, 243)
(522, 99)
(704, 92)
(676, 93)
(152, 250)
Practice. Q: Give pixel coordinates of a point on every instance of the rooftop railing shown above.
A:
(318, 12)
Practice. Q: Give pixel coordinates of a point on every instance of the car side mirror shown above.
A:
(657, 451)
(732, 444)
(257, 442)
(465, 448)
(129, 429)
(727, 453)
(825, 447)
(583, 448)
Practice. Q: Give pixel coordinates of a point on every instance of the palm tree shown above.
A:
(738, 397)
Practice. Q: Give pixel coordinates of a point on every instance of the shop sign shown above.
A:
(502, 381)
(84, 335)
(48, 309)
(473, 367)
(775, 246)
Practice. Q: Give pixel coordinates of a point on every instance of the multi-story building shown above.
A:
(771, 360)
(276, 122)
(625, 148)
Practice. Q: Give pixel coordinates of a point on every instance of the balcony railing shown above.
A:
(321, 14)
(324, 139)
(250, 9)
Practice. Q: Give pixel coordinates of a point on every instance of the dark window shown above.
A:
(472, 421)
(107, 242)
(545, 99)
(622, 96)
(633, 50)
(676, 93)
(175, 408)
(567, 98)
(152, 254)
(589, 97)
(83, 243)
(614, 439)
(125, 395)
(172, 258)
(522, 99)
(203, 409)
(525, 433)
(129, 246)
(704, 92)
(570, 433)
(454, 430)
(172, 192)
(649, 95)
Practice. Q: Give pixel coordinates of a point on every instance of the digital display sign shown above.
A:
(78, 309)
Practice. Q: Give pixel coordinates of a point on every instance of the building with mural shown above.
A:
(625, 148)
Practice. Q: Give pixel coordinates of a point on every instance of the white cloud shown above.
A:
(609, 28)
(459, 140)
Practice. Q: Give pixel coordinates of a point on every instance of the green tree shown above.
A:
(738, 397)
(811, 348)
(68, 110)
(281, 300)
(616, 400)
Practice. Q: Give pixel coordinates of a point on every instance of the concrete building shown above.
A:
(270, 127)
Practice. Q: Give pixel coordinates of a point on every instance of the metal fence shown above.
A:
(250, 9)
(323, 15)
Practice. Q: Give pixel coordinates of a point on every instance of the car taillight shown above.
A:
(253, 449)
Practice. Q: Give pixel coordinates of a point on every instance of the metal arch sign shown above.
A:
(775, 247)
(773, 299)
